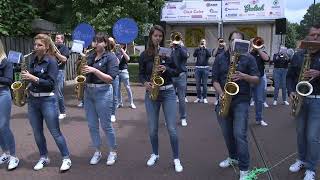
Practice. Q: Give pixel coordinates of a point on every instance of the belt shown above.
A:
(202, 67)
(124, 70)
(96, 85)
(41, 94)
(314, 96)
(161, 88)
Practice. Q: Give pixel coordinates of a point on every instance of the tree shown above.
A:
(292, 35)
(306, 23)
(16, 17)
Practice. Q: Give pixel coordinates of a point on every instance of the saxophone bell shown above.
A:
(158, 81)
(304, 88)
(231, 88)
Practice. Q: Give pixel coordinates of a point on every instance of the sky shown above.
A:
(296, 9)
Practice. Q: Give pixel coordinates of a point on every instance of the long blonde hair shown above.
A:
(2, 53)
(47, 41)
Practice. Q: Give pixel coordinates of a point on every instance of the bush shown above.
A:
(133, 69)
(134, 58)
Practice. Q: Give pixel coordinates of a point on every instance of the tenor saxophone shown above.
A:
(230, 88)
(81, 78)
(19, 87)
(156, 79)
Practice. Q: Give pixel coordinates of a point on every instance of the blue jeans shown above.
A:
(180, 84)
(7, 141)
(258, 97)
(59, 91)
(46, 108)
(124, 77)
(201, 75)
(234, 129)
(115, 86)
(279, 76)
(167, 99)
(98, 106)
(308, 133)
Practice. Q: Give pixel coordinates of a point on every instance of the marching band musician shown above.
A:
(234, 126)
(62, 55)
(179, 55)
(261, 58)
(42, 102)
(308, 124)
(101, 70)
(166, 96)
(7, 141)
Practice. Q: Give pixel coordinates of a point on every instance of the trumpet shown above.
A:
(257, 43)
(176, 38)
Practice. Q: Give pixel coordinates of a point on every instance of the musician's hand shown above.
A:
(161, 68)
(88, 69)
(293, 95)
(221, 95)
(312, 73)
(148, 86)
(25, 75)
(238, 76)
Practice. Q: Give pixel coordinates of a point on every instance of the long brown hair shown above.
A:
(101, 36)
(47, 41)
(150, 48)
(2, 52)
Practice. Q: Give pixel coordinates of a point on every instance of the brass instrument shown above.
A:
(19, 87)
(81, 78)
(156, 79)
(257, 43)
(230, 88)
(304, 87)
(176, 37)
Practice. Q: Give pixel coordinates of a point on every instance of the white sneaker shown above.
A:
(4, 158)
(133, 106)
(265, 105)
(177, 165)
(263, 123)
(309, 175)
(95, 158)
(286, 103)
(62, 116)
(252, 103)
(243, 175)
(111, 158)
(177, 99)
(113, 118)
(228, 162)
(297, 166)
(80, 104)
(205, 101)
(66, 165)
(197, 100)
(13, 163)
(185, 99)
(152, 160)
(275, 103)
(184, 122)
(41, 163)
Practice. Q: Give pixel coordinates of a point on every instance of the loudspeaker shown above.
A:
(281, 26)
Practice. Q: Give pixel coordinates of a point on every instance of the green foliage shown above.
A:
(134, 58)
(16, 17)
(133, 69)
(306, 23)
(292, 35)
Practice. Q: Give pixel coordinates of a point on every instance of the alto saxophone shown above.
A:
(156, 79)
(19, 87)
(81, 78)
(230, 88)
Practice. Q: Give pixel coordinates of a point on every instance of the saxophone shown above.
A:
(19, 87)
(156, 79)
(81, 78)
(230, 88)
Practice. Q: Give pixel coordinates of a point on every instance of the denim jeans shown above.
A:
(265, 87)
(7, 141)
(234, 129)
(279, 76)
(167, 99)
(259, 93)
(46, 109)
(180, 84)
(115, 86)
(308, 134)
(124, 77)
(59, 91)
(201, 75)
(98, 106)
